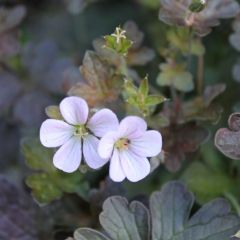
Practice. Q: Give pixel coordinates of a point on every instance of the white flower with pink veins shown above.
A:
(128, 148)
(77, 135)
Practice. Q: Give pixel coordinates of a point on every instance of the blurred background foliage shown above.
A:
(42, 65)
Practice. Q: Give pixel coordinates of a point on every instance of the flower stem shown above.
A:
(200, 72)
(189, 57)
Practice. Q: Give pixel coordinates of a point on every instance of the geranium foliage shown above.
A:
(105, 106)
(171, 216)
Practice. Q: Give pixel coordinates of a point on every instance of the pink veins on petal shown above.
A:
(76, 135)
(128, 148)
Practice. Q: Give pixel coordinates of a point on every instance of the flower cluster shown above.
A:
(100, 138)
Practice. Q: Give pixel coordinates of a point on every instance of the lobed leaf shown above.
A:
(49, 183)
(100, 85)
(88, 234)
(175, 75)
(118, 220)
(171, 218)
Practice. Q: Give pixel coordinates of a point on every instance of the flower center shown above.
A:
(122, 144)
(80, 131)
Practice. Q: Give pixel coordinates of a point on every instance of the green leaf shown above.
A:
(43, 189)
(36, 156)
(139, 98)
(49, 183)
(118, 41)
(53, 112)
(175, 75)
(184, 82)
(197, 48)
(154, 100)
(130, 88)
(144, 88)
(206, 183)
(180, 38)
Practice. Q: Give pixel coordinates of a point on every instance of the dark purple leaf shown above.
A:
(228, 140)
(10, 88)
(182, 139)
(16, 219)
(30, 108)
(9, 141)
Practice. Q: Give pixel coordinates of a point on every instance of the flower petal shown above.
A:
(115, 171)
(135, 168)
(90, 153)
(54, 133)
(147, 145)
(102, 122)
(106, 144)
(132, 127)
(74, 110)
(68, 157)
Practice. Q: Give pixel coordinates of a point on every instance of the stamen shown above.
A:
(122, 144)
(80, 131)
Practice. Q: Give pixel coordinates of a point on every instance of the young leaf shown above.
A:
(53, 112)
(139, 97)
(144, 88)
(118, 41)
(154, 100)
(175, 75)
(179, 38)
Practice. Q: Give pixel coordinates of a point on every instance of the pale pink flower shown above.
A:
(76, 135)
(128, 148)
